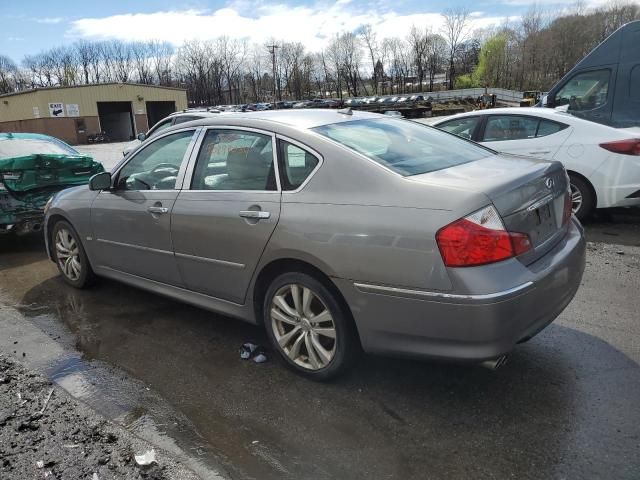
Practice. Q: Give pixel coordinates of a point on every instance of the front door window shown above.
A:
(156, 166)
(585, 91)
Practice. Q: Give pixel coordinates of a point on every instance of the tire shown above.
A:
(584, 201)
(74, 268)
(329, 356)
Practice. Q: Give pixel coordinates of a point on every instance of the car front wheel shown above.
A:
(70, 256)
(309, 327)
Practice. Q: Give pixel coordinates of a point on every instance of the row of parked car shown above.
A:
(384, 100)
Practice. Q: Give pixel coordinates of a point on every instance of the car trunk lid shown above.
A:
(30, 173)
(529, 195)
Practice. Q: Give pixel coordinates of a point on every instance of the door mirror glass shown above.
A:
(235, 160)
(156, 166)
(543, 100)
(142, 136)
(100, 181)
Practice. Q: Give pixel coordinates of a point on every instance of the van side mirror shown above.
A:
(100, 181)
(142, 136)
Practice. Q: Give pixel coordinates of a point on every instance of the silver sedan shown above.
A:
(338, 231)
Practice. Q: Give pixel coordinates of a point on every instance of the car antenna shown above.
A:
(346, 111)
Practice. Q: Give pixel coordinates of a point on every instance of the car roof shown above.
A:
(204, 113)
(539, 112)
(299, 119)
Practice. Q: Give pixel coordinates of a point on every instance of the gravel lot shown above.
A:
(106, 153)
(44, 433)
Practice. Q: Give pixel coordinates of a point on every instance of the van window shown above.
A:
(634, 83)
(585, 91)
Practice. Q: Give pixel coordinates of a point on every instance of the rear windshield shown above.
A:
(22, 147)
(406, 147)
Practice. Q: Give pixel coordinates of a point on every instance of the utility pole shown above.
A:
(272, 50)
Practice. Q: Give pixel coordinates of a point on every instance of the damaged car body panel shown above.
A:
(33, 168)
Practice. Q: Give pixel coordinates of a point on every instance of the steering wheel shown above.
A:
(574, 103)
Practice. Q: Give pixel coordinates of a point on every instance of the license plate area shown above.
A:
(544, 224)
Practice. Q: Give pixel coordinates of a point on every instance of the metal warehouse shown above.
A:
(122, 110)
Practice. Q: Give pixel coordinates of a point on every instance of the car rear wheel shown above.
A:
(309, 327)
(70, 256)
(582, 197)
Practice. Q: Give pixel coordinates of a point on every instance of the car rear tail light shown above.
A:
(625, 147)
(478, 239)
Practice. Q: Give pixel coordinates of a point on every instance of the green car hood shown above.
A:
(44, 171)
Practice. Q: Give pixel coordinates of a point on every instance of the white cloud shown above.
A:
(313, 24)
(49, 20)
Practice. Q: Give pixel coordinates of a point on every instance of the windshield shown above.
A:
(406, 147)
(22, 147)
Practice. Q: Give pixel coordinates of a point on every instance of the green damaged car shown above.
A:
(33, 168)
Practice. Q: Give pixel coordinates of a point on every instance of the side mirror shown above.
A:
(142, 136)
(100, 181)
(543, 101)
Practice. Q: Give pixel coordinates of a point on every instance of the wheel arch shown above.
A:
(49, 224)
(290, 264)
(588, 182)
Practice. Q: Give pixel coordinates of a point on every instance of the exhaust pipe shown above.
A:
(495, 363)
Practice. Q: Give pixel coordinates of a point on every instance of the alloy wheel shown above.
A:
(576, 199)
(68, 255)
(303, 326)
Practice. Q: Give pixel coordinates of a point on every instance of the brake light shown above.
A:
(625, 147)
(478, 239)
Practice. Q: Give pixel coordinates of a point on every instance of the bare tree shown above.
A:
(8, 73)
(455, 30)
(371, 44)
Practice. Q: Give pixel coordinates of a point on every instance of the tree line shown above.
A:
(532, 53)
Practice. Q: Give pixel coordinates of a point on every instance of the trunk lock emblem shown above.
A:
(549, 183)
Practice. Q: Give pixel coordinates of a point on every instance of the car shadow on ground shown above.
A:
(22, 250)
(537, 417)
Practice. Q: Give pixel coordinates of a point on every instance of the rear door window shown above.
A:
(510, 127)
(235, 160)
(463, 127)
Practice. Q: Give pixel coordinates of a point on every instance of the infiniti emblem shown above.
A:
(549, 183)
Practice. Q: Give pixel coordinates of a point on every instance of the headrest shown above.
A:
(245, 163)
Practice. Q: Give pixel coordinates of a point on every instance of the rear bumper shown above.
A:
(468, 327)
(616, 180)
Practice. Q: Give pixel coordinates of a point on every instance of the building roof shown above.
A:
(38, 89)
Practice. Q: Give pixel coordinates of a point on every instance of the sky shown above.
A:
(30, 26)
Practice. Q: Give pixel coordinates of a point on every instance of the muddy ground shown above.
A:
(45, 433)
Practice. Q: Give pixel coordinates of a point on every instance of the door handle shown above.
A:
(157, 210)
(256, 214)
(540, 151)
